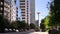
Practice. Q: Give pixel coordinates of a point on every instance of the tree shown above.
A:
(42, 25)
(14, 25)
(54, 13)
(3, 23)
(32, 26)
(22, 25)
(45, 23)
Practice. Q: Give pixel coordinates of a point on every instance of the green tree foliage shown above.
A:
(54, 13)
(32, 26)
(14, 25)
(24, 24)
(19, 25)
(3, 23)
(53, 19)
(47, 21)
(42, 25)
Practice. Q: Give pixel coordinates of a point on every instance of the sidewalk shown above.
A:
(39, 33)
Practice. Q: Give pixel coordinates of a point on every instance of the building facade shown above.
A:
(32, 10)
(28, 10)
(8, 9)
(13, 10)
(16, 13)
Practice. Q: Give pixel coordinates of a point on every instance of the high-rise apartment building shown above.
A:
(13, 10)
(28, 10)
(32, 11)
(8, 9)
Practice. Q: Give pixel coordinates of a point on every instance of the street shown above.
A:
(26, 33)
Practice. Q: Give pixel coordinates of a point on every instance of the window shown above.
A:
(27, 0)
(27, 3)
(15, 1)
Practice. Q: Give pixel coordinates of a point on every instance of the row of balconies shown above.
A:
(6, 5)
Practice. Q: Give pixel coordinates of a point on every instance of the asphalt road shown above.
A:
(26, 33)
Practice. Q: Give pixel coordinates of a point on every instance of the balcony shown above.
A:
(22, 3)
(22, 6)
(22, 0)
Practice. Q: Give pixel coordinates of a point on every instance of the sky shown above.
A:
(40, 6)
(19, 11)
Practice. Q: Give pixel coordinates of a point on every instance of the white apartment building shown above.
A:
(13, 10)
(10, 10)
(7, 9)
(28, 10)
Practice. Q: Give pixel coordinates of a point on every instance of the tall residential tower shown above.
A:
(9, 9)
(28, 10)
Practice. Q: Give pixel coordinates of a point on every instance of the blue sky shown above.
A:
(19, 11)
(40, 6)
